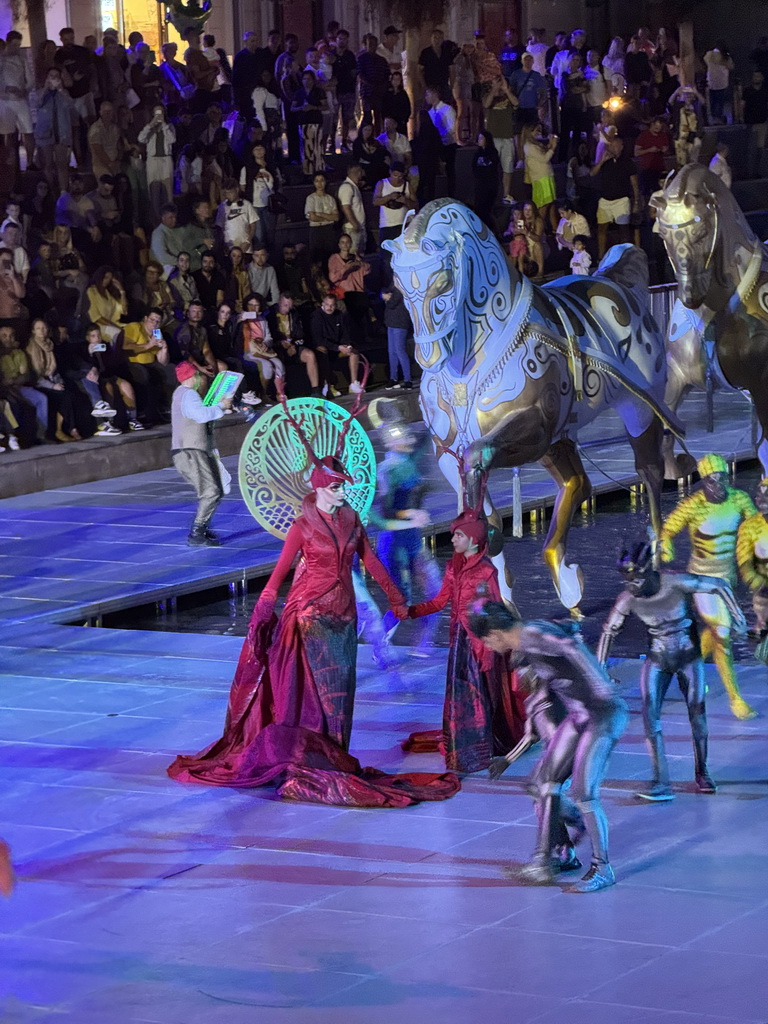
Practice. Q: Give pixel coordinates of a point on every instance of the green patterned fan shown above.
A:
(274, 466)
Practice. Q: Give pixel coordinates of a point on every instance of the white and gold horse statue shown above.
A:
(512, 371)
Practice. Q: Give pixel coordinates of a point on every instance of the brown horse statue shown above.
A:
(718, 331)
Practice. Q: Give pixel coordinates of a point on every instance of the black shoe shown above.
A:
(705, 783)
(407, 385)
(200, 537)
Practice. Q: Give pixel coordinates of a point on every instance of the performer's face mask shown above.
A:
(715, 487)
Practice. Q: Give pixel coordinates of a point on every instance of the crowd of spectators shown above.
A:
(148, 216)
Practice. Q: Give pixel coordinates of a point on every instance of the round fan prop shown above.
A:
(274, 467)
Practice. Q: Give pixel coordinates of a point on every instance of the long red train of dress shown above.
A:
(484, 713)
(290, 709)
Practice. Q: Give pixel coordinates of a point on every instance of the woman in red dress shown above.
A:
(291, 703)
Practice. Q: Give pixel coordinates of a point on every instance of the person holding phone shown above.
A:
(151, 371)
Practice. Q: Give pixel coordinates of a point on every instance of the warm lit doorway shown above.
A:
(145, 16)
(494, 16)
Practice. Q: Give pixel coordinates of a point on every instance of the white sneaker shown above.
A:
(249, 398)
(103, 409)
(509, 200)
(107, 430)
(355, 388)
(135, 425)
(13, 443)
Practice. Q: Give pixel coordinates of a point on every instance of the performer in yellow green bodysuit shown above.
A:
(713, 516)
(752, 557)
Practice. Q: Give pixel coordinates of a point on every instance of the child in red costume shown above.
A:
(482, 714)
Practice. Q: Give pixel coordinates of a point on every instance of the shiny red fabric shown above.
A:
(290, 706)
(484, 713)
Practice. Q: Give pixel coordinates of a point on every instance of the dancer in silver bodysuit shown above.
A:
(664, 603)
(580, 746)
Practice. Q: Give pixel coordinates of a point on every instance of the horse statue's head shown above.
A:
(450, 269)
(702, 226)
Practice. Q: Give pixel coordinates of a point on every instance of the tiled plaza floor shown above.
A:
(141, 900)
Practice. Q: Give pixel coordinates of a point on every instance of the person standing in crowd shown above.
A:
(719, 96)
(651, 150)
(322, 212)
(309, 105)
(397, 104)
(613, 62)
(105, 142)
(397, 320)
(78, 71)
(345, 70)
(529, 88)
(158, 136)
(443, 117)
(538, 49)
(719, 164)
(619, 193)
(54, 135)
(501, 121)
(352, 209)
(435, 63)
(510, 57)
(246, 72)
(389, 48)
(193, 451)
(16, 84)
(485, 172)
(373, 76)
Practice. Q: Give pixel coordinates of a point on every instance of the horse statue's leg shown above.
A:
(476, 477)
(676, 467)
(563, 463)
(686, 370)
(476, 486)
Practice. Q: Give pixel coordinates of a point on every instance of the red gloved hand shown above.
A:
(400, 611)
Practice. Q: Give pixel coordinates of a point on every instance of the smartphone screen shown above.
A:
(157, 334)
